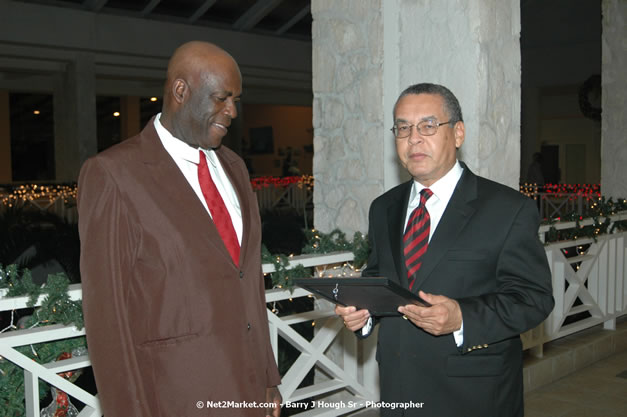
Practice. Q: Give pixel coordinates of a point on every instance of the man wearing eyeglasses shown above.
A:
(469, 247)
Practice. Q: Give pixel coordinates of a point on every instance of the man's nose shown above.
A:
(231, 108)
(414, 137)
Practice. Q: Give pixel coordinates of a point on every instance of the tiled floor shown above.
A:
(599, 390)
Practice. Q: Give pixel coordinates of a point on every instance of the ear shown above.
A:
(460, 134)
(179, 90)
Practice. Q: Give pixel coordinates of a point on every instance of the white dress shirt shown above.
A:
(442, 191)
(187, 159)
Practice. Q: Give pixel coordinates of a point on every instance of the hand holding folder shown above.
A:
(380, 296)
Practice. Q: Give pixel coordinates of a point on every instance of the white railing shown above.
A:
(557, 200)
(334, 353)
(589, 282)
(345, 366)
(552, 205)
(34, 371)
(293, 196)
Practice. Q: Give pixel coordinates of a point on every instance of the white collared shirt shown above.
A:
(442, 191)
(187, 158)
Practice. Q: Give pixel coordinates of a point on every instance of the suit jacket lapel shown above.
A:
(457, 214)
(396, 225)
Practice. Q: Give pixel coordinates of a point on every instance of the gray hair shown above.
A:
(451, 104)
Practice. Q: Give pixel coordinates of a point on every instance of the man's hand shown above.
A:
(353, 319)
(443, 317)
(273, 396)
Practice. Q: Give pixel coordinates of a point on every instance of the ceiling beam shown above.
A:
(149, 7)
(297, 18)
(254, 15)
(94, 5)
(202, 10)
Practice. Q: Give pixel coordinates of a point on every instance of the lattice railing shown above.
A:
(590, 286)
(292, 196)
(589, 283)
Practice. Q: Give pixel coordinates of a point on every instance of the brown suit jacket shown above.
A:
(170, 319)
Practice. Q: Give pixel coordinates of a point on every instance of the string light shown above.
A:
(573, 190)
(282, 182)
(45, 193)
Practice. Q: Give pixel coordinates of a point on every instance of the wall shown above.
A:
(579, 138)
(561, 48)
(291, 127)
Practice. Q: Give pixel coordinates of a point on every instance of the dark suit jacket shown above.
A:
(170, 319)
(485, 254)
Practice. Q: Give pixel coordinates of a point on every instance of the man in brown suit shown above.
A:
(174, 311)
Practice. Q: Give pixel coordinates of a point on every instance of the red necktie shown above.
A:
(219, 213)
(416, 237)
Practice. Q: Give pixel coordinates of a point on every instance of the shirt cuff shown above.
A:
(458, 335)
(365, 331)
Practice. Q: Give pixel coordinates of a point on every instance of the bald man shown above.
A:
(173, 293)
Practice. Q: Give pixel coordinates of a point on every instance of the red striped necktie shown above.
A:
(217, 208)
(416, 237)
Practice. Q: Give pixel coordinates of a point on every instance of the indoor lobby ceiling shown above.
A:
(282, 18)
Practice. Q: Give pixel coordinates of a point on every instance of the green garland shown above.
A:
(317, 243)
(601, 209)
(56, 308)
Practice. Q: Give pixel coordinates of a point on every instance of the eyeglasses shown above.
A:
(424, 128)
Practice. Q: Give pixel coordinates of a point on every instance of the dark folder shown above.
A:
(380, 296)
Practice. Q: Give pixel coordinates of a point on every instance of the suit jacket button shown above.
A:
(241, 274)
(485, 346)
(248, 326)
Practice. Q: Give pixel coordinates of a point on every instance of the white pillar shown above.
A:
(365, 52)
(349, 147)
(614, 99)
